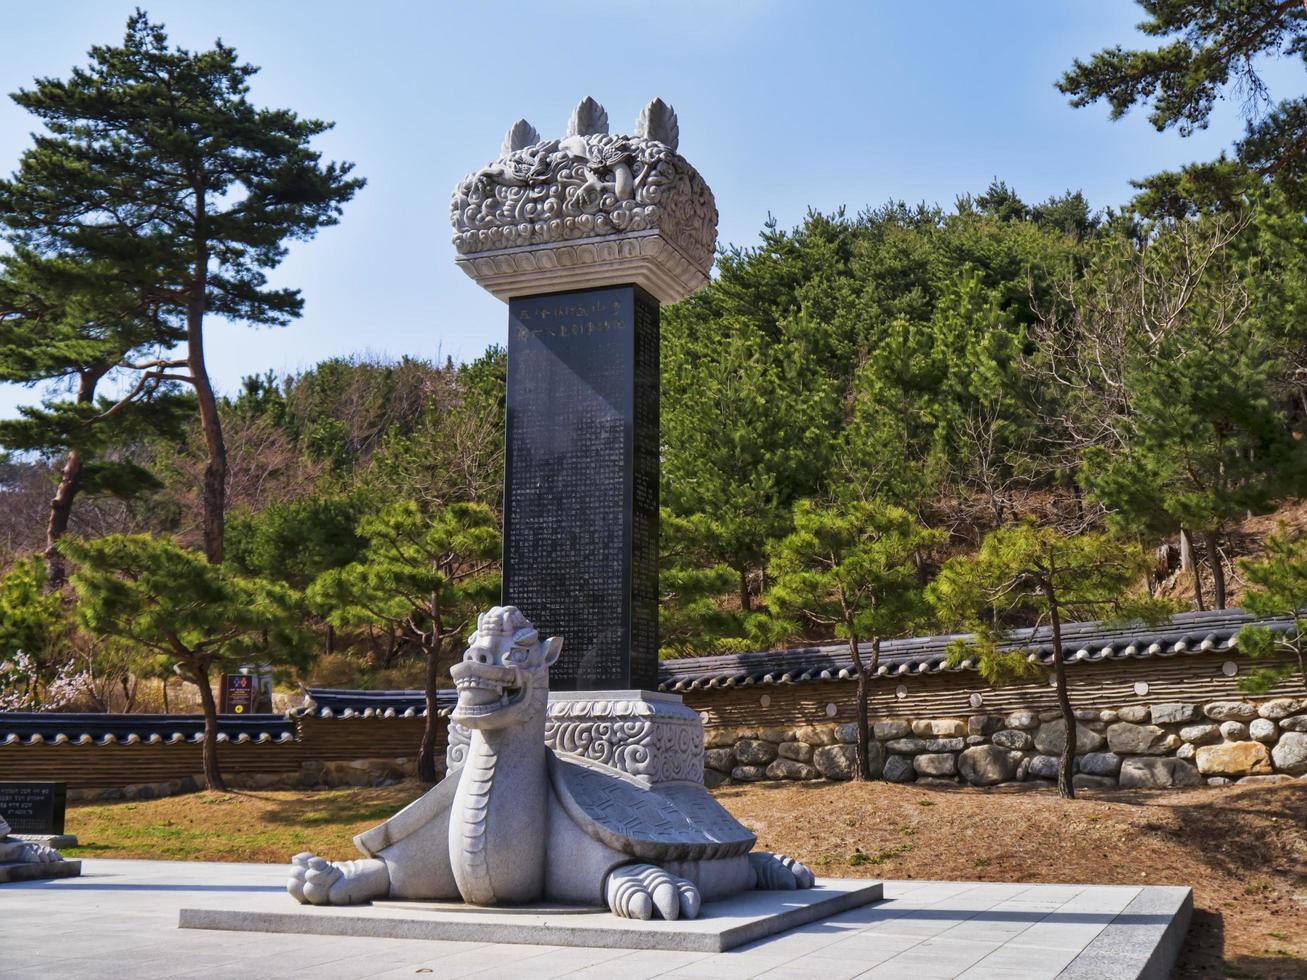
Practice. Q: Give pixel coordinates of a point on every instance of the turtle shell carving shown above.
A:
(665, 822)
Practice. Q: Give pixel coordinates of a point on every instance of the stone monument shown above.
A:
(617, 816)
(594, 797)
(585, 236)
(22, 860)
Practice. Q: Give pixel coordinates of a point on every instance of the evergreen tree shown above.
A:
(940, 403)
(695, 614)
(297, 542)
(64, 321)
(425, 575)
(32, 624)
(1025, 573)
(158, 172)
(1277, 586)
(854, 569)
(1207, 444)
(747, 430)
(1210, 49)
(193, 616)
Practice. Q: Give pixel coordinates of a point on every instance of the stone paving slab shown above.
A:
(720, 925)
(120, 920)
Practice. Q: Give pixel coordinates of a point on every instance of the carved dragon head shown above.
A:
(503, 678)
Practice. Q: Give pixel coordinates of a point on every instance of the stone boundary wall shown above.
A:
(1159, 745)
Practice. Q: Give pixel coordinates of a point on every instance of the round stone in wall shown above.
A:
(1229, 668)
(977, 700)
(703, 716)
(765, 700)
(1141, 688)
(832, 710)
(901, 691)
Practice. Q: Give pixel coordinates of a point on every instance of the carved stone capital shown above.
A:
(588, 210)
(652, 737)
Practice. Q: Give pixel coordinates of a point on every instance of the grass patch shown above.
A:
(860, 858)
(260, 826)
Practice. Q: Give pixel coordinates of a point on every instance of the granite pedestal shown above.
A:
(720, 926)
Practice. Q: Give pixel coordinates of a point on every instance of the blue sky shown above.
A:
(783, 104)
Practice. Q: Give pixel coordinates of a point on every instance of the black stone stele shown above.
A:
(581, 482)
(33, 808)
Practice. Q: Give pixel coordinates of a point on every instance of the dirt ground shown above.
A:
(1243, 850)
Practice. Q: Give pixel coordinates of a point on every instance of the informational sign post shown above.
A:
(245, 693)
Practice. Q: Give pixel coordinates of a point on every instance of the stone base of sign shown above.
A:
(39, 870)
(58, 841)
(721, 925)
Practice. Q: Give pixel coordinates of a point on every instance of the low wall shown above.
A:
(322, 753)
(1162, 744)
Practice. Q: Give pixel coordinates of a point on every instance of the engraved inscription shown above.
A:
(580, 526)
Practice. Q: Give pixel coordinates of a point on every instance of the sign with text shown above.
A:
(33, 808)
(240, 694)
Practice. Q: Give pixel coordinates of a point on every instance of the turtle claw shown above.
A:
(315, 881)
(299, 866)
(639, 890)
(776, 872)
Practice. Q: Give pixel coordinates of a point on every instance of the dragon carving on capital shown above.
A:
(587, 184)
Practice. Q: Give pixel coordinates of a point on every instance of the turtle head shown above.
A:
(503, 677)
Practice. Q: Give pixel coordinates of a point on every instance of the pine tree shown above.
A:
(1277, 586)
(1210, 50)
(1025, 573)
(1208, 442)
(192, 616)
(63, 320)
(851, 568)
(426, 576)
(158, 172)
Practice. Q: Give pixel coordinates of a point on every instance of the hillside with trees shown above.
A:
(911, 387)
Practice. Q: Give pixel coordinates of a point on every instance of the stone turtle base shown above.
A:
(37, 871)
(720, 926)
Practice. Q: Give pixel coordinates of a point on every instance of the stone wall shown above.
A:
(1136, 747)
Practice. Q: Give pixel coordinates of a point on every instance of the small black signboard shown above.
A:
(33, 808)
(240, 694)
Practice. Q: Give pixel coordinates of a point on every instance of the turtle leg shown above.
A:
(317, 882)
(637, 891)
(776, 872)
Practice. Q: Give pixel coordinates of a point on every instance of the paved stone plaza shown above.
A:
(120, 920)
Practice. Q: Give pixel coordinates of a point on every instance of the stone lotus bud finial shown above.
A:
(658, 122)
(519, 136)
(588, 119)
